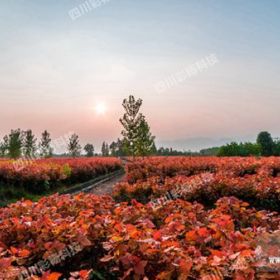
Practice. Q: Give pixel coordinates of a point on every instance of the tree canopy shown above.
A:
(137, 138)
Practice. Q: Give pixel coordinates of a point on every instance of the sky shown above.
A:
(67, 69)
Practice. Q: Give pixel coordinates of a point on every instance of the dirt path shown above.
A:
(107, 187)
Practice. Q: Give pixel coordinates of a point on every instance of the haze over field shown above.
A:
(67, 75)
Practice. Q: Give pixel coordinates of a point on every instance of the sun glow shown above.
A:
(100, 109)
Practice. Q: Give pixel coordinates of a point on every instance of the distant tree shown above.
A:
(74, 146)
(153, 149)
(210, 151)
(251, 149)
(131, 121)
(266, 143)
(29, 144)
(45, 145)
(105, 149)
(15, 143)
(276, 147)
(4, 146)
(113, 148)
(89, 149)
(117, 148)
(239, 149)
(161, 151)
(121, 148)
(144, 144)
(231, 149)
(170, 152)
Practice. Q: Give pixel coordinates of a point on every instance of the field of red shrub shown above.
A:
(142, 169)
(134, 241)
(256, 180)
(210, 233)
(36, 175)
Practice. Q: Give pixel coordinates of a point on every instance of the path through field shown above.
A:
(107, 187)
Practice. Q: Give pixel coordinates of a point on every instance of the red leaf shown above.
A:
(203, 232)
(157, 235)
(5, 263)
(139, 268)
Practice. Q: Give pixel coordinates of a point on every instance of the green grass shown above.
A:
(10, 194)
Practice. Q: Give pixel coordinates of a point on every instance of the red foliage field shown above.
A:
(142, 169)
(35, 175)
(223, 237)
(254, 180)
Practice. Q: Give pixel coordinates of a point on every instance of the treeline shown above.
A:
(19, 143)
(173, 152)
(264, 146)
(239, 149)
(24, 143)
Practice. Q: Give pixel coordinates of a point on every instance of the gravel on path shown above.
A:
(107, 187)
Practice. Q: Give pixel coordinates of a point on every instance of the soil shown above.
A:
(107, 187)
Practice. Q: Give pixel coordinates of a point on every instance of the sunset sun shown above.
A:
(100, 108)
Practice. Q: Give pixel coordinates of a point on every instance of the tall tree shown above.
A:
(89, 149)
(15, 143)
(145, 144)
(105, 149)
(131, 121)
(74, 146)
(138, 140)
(4, 146)
(266, 143)
(29, 144)
(45, 145)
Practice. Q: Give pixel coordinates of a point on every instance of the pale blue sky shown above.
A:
(55, 70)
